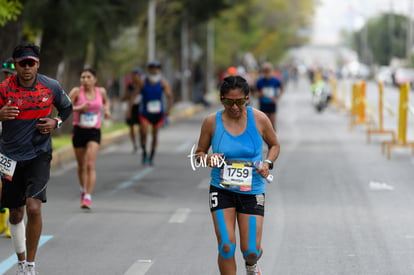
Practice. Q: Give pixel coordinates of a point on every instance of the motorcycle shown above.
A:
(320, 96)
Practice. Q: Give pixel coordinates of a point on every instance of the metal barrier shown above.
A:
(358, 104)
(401, 140)
(339, 94)
(380, 129)
(334, 89)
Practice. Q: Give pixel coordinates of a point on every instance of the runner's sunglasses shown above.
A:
(7, 65)
(25, 62)
(230, 102)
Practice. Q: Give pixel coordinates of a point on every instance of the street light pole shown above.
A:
(210, 57)
(185, 54)
(409, 33)
(151, 30)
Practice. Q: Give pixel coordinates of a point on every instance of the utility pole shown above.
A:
(151, 30)
(409, 43)
(210, 57)
(391, 31)
(185, 54)
(366, 54)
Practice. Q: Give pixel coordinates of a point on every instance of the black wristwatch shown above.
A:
(270, 163)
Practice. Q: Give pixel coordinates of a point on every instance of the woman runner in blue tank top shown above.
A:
(237, 186)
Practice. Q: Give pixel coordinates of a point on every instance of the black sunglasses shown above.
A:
(25, 62)
(7, 65)
(230, 102)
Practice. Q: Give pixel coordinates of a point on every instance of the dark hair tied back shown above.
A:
(90, 70)
(232, 83)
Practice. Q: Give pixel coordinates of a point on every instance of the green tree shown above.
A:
(385, 38)
(93, 32)
(9, 10)
(11, 26)
(72, 27)
(171, 14)
(267, 28)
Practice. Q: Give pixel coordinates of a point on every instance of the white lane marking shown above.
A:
(10, 261)
(204, 184)
(140, 267)
(180, 215)
(380, 186)
(183, 147)
(135, 178)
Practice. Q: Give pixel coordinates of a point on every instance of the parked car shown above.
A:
(403, 75)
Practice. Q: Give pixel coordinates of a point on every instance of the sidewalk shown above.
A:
(180, 111)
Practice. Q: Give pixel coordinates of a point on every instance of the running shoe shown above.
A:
(86, 203)
(21, 269)
(30, 270)
(144, 159)
(82, 195)
(253, 270)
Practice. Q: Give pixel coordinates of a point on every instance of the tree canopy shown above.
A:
(267, 28)
(384, 37)
(9, 10)
(112, 33)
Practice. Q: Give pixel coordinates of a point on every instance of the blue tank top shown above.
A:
(152, 98)
(269, 87)
(245, 147)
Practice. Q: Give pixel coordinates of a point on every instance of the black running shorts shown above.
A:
(134, 119)
(244, 203)
(81, 136)
(268, 108)
(29, 181)
(155, 120)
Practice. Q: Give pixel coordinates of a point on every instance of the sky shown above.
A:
(332, 15)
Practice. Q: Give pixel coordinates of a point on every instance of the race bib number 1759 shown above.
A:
(237, 174)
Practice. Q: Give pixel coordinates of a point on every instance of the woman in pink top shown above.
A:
(89, 101)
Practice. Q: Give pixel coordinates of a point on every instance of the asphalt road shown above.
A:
(337, 205)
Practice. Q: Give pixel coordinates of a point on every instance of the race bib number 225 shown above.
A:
(7, 166)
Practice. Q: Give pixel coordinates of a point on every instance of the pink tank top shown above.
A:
(91, 118)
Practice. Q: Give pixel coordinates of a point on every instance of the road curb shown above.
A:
(66, 154)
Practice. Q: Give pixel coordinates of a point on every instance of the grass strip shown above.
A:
(62, 141)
